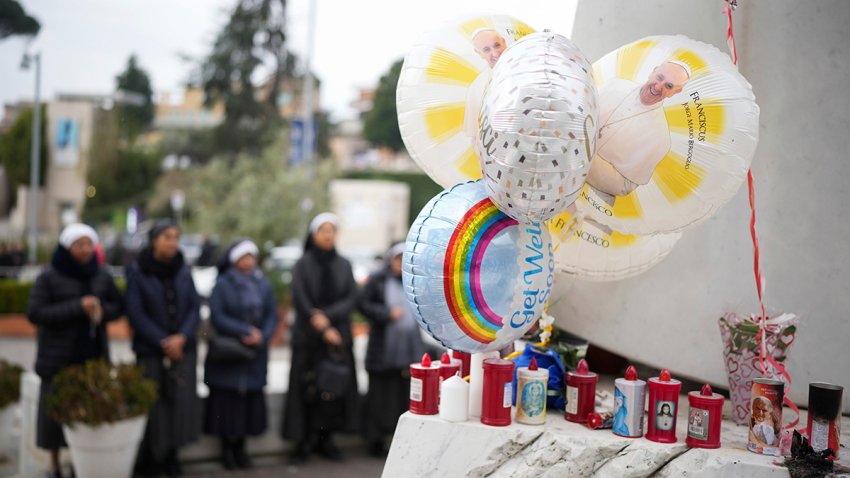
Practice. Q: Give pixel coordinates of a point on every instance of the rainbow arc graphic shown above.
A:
(462, 270)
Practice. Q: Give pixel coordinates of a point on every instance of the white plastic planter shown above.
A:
(10, 431)
(105, 451)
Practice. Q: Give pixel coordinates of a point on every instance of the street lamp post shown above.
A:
(307, 96)
(35, 153)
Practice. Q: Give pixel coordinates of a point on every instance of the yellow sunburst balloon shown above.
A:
(590, 251)
(440, 89)
(678, 130)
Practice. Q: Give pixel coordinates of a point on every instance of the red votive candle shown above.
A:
(663, 406)
(581, 393)
(448, 367)
(705, 414)
(464, 362)
(497, 395)
(425, 387)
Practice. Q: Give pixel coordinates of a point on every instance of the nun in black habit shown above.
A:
(322, 397)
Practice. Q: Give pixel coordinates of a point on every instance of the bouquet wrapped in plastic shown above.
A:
(741, 345)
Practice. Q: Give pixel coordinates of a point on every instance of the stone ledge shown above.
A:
(425, 446)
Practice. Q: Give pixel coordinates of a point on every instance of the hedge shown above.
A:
(15, 295)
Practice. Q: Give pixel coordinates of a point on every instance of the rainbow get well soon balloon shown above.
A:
(476, 278)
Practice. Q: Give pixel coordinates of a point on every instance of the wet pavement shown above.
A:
(357, 464)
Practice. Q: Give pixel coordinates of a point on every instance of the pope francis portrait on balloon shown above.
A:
(633, 134)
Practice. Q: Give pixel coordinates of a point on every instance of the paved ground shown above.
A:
(357, 464)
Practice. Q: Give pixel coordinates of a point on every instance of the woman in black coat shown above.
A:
(322, 396)
(163, 308)
(394, 343)
(242, 307)
(70, 303)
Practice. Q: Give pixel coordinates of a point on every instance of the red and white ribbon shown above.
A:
(764, 357)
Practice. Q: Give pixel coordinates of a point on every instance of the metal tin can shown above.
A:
(531, 394)
(425, 387)
(663, 407)
(497, 393)
(824, 427)
(705, 413)
(766, 417)
(629, 402)
(581, 393)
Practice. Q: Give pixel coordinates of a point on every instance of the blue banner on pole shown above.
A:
(297, 155)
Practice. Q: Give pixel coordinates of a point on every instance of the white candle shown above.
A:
(454, 399)
(476, 380)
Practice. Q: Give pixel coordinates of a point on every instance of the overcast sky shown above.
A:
(85, 43)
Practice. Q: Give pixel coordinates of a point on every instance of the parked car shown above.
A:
(281, 260)
(191, 245)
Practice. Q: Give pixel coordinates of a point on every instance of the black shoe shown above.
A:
(329, 450)
(300, 456)
(148, 471)
(172, 465)
(377, 449)
(242, 459)
(228, 456)
(54, 474)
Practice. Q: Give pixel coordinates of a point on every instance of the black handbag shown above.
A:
(333, 375)
(224, 349)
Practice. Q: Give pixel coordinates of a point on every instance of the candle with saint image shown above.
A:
(663, 407)
(766, 417)
(629, 402)
(531, 394)
(704, 417)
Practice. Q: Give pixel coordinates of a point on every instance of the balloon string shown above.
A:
(730, 36)
(763, 355)
(758, 276)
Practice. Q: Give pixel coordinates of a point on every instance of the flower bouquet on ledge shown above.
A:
(741, 344)
(555, 350)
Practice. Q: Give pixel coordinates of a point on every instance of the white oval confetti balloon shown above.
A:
(537, 127)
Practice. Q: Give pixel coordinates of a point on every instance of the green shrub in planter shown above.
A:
(98, 392)
(10, 383)
(14, 296)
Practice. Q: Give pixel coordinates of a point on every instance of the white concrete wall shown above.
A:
(795, 55)
(372, 215)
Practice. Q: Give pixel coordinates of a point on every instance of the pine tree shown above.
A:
(15, 21)
(254, 37)
(381, 124)
(138, 113)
